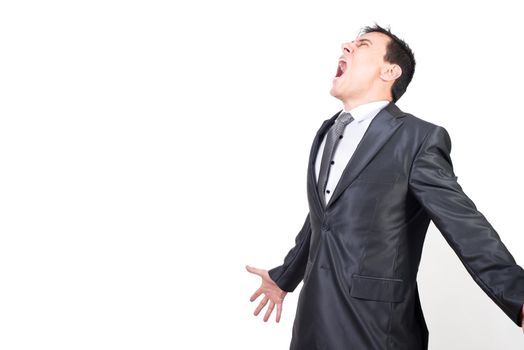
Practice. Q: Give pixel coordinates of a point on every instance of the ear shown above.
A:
(391, 72)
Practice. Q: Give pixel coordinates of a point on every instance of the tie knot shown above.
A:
(345, 118)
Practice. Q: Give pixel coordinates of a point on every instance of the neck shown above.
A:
(353, 102)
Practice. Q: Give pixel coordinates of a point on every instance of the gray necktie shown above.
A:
(332, 138)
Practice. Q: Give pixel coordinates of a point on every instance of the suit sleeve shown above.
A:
(466, 230)
(288, 275)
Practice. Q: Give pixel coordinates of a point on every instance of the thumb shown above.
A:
(254, 270)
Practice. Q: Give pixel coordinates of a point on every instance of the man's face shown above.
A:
(360, 66)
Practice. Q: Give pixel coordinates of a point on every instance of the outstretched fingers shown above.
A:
(271, 293)
(261, 305)
(256, 294)
(279, 311)
(269, 311)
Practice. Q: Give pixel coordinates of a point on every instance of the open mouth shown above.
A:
(342, 66)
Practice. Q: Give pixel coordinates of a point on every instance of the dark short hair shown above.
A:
(397, 52)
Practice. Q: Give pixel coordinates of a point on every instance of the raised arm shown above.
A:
(466, 230)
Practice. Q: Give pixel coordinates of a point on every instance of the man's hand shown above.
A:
(272, 292)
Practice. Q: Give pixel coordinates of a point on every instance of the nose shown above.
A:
(347, 48)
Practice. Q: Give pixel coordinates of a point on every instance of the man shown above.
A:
(376, 177)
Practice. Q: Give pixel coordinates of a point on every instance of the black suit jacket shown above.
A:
(359, 255)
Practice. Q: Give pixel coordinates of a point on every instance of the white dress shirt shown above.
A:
(353, 133)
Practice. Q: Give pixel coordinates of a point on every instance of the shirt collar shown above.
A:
(366, 110)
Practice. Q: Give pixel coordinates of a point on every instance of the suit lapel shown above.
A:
(379, 131)
(312, 180)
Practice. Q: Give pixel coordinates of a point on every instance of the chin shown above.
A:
(337, 88)
(335, 93)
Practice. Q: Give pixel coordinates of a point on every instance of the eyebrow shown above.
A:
(364, 39)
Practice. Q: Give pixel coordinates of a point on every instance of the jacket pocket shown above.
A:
(377, 288)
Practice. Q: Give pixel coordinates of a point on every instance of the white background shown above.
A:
(145, 159)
